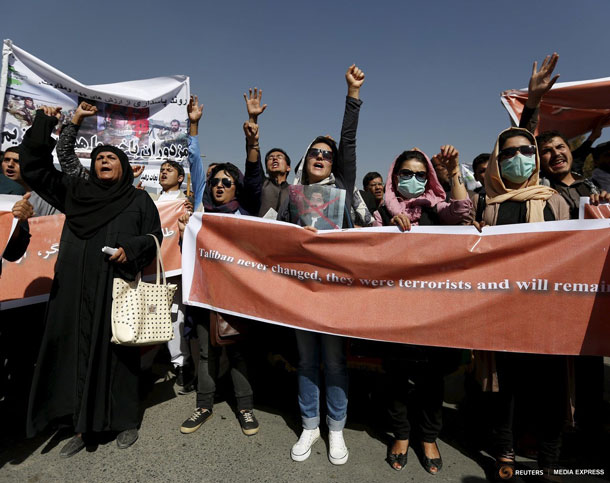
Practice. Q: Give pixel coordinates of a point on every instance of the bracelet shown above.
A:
(255, 146)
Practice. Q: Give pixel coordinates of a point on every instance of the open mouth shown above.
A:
(556, 163)
(275, 164)
(318, 165)
(9, 173)
(105, 169)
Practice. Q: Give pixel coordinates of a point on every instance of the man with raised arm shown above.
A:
(277, 162)
(562, 169)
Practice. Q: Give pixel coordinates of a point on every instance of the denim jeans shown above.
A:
(330, 349)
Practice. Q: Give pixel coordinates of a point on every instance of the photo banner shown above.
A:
(572, 108)
(28, 280)
(536, 287)
(145, 118)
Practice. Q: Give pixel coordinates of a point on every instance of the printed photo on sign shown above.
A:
(125, 127)
(318, 206)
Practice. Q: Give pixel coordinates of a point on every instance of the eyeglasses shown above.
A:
(326, 155)
(226, 182)
(420, 176)
(527, 150)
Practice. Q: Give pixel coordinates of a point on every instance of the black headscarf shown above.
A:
(92, 204)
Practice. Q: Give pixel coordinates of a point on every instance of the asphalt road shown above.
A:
(219, 452)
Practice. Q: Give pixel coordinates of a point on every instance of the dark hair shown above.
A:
(232, 171)
(277, 150)
(368, 177)
(480, 159)
(333, 147)
(176, 165)
(12, 149)
(546, 136)
(330, 142)
(175, 120)
(417, 155)
(513, 133)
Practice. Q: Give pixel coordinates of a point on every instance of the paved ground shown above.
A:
(219, 452)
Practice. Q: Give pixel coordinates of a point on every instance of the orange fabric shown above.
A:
(545, 321)
(6, 224)
(32, 276)
(570, 109)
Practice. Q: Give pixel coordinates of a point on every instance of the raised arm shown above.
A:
(68, 160)
(36, 159)
(253, 104)
(460, 207)
(253, 176)
(540, 83)
(195, 111)
(346, 164)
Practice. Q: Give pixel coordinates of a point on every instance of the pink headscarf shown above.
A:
(412, 207)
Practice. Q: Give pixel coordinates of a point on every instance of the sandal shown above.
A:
(429, 463)
(505, 465)
(398, 459)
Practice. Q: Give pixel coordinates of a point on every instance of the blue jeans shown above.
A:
(331, 349)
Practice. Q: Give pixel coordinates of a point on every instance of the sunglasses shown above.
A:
(527, 150)
(420, 176)
(226, 182)
(326, 155)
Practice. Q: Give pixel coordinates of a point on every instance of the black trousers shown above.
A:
(589, 378)
(545, 378)
(209, 362)
(426, 368)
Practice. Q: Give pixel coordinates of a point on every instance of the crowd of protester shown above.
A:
(84, 380)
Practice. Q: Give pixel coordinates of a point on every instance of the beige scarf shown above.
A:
(532, 193)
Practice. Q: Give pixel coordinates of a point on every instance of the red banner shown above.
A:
(572, 108)
(537, 287)
(28, 280)
(6, 228)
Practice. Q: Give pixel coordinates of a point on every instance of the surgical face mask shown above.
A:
(412, 187)
(518, 168)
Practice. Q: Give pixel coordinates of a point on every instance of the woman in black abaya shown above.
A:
(80, 374)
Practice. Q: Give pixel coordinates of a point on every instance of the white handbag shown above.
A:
(141, 312)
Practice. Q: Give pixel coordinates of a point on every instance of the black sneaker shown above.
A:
(248, 422)
(193, 423)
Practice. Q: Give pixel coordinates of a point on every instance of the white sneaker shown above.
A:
(337, 451)
(302, 448)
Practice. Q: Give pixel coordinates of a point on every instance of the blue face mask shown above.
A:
(518, 168)
(412, 187)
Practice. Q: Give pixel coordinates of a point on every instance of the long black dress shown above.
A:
(79, 372)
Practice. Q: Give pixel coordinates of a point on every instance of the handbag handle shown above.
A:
(159, 260)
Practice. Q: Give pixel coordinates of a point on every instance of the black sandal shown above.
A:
(429, 463)
(400, 458)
